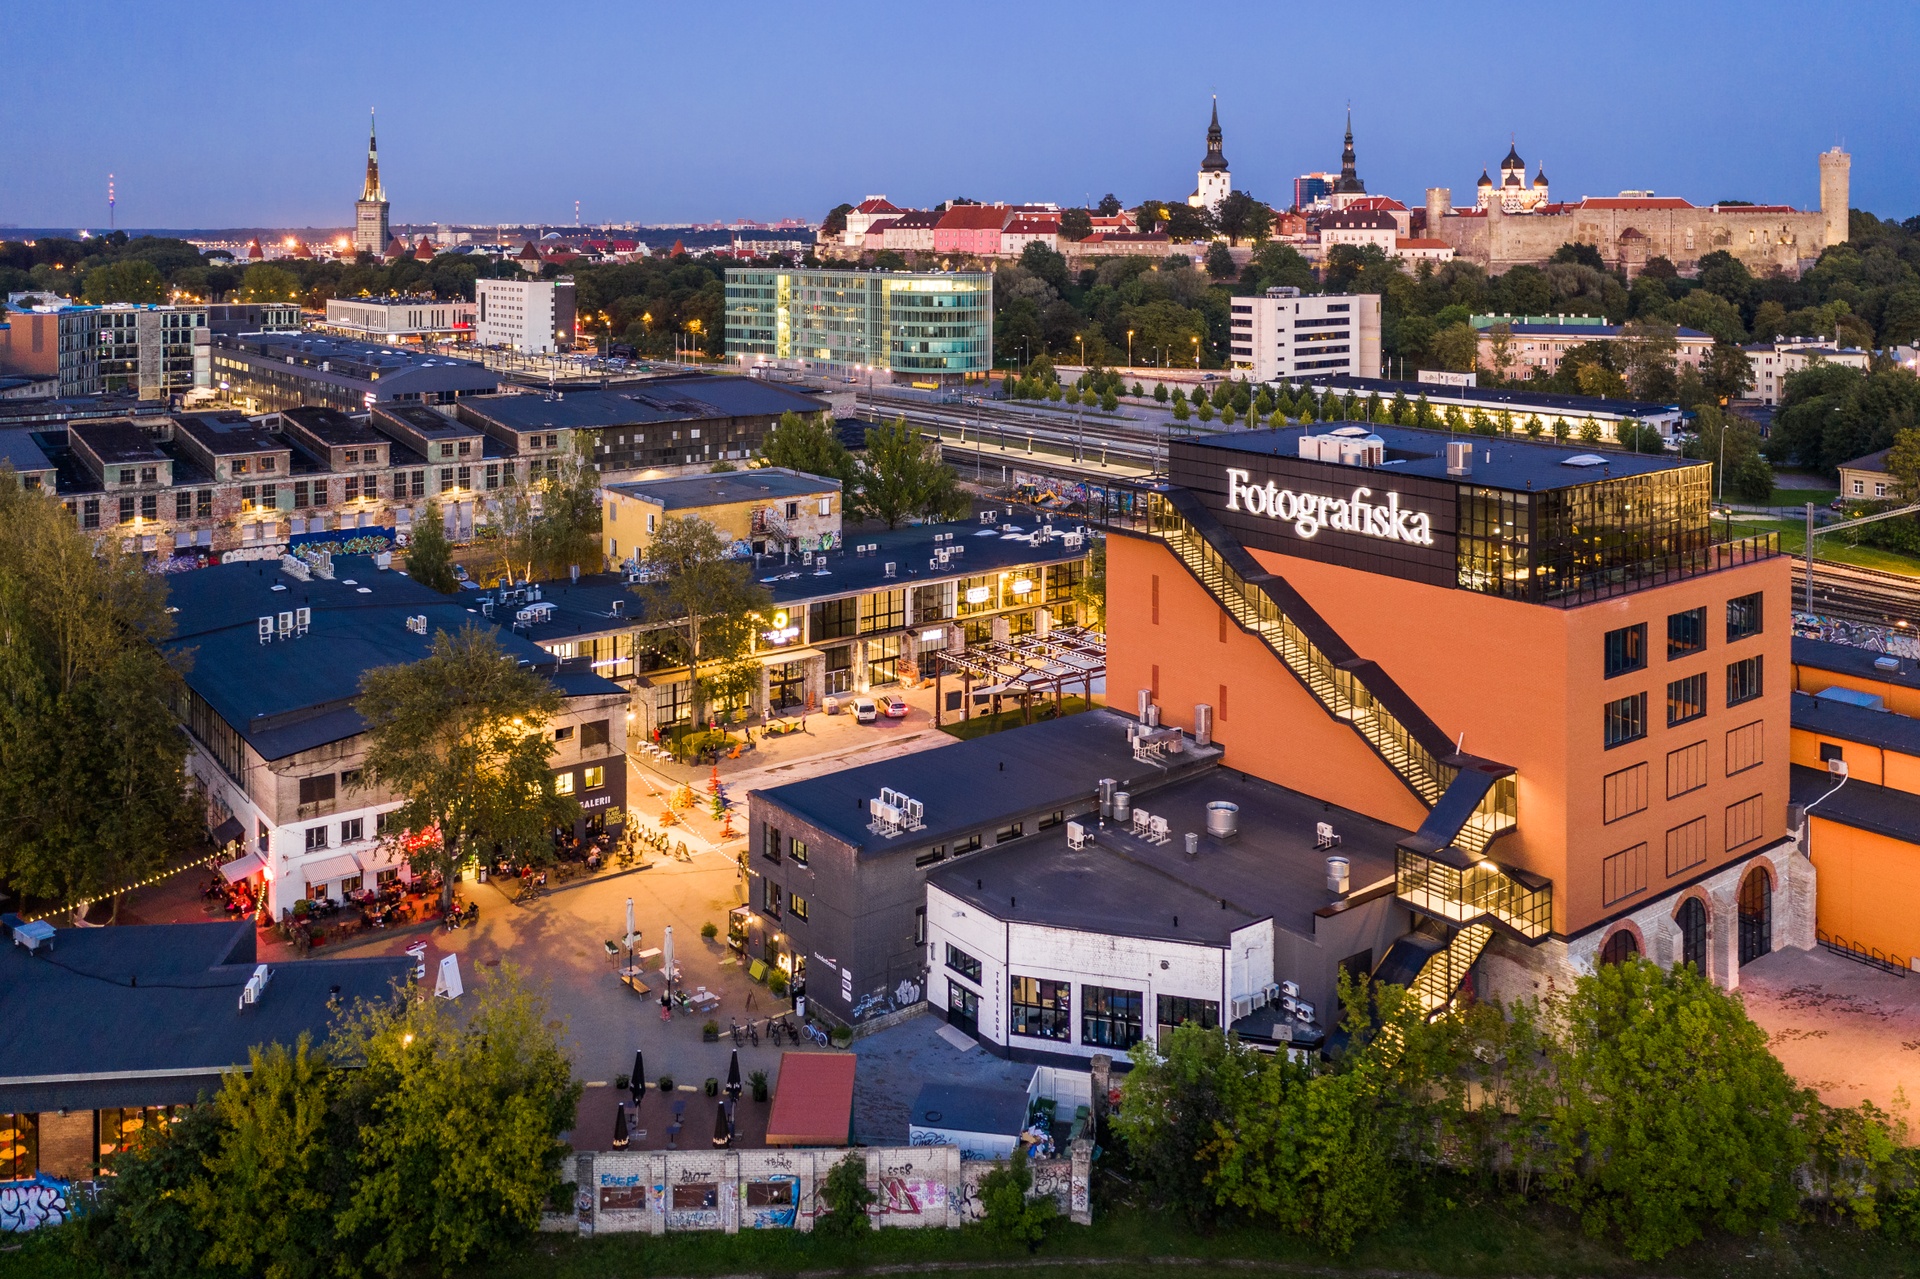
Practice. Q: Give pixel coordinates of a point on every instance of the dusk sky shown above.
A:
(232, 114)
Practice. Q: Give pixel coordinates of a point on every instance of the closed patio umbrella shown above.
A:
(722, 1130)
(619, 1127)
(638, 1084)
(666, 956)
(733, 1075)
(627, 941)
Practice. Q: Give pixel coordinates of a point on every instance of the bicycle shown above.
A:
(733, 1029)
(816, 1035)
(753, 1035)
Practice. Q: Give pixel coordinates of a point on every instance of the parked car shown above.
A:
(864, 710)
(894, 707)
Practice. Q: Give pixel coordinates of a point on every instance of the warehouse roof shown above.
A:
(1864, 663)
(1849, 722)
(693, 398)
(1499, 397)
(692, 492)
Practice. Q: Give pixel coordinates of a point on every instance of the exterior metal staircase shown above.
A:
(1442, 869)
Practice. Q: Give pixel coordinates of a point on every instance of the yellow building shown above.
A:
(767, 511)
(1859, 707)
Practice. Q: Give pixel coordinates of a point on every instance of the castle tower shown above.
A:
(1216, 181)
(1439, 205)
(370, 231)
(1835, 168)
(1348, 187)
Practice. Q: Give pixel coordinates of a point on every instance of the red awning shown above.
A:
(812, 1100)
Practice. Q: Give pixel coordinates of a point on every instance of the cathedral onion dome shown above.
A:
(1513, 160)
(1540, 178)
(1484, 181)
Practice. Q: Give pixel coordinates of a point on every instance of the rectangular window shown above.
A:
(19, 1146)
(770, 844)
(1220, 707)
(90, 512)
(183, 506)
(770, 897)
(127, 509)
(203, 504)
(1686, 769)
(316, 837)
(1746, 747)
(563, 784)
(772, 1194)
(919, 925)
(150, 506)
(1623, 874)
(797, 904)
(1624, 793)
(797, 849)
(1012, 830)
(1686, 846)
(1744, 822)
(419, 484)
(1626, 650)
(1110, 1018)
(1686, 699)
(353, 829)
(963, 963)
(928, 857)
(1041, 1009)
(1156, 599)
(446, 479)
(1053, 819)
(1743, 681)
(696, 1196)
(1626, 720)
(1686, 632)
(351, 489)
(315, 790)
(593, 733)
(1178, 1010)
(1743, 616)
(593, 777)
(966, 844)
(1830, 751)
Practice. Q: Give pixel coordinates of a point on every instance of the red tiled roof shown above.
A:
(1378, 204)
(877, 204)
(1405, 243)
(974, 217)
(1032, 226)
(1753, 208)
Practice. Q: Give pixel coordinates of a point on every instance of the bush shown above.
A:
(709, 931)
(1138, 391)
(622, 1081)
(847, 1199)
(1008, 1211)
(1160, 392)
(712, 1086)
(1227, 416)
(758, 1082)
(777, 983)
(1206, 411)
(1109, 401)
(666, 1084)
(142, 1224)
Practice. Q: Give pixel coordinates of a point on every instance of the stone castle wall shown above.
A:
(1627, 238)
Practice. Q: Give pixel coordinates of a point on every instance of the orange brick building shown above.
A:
(1543, 662)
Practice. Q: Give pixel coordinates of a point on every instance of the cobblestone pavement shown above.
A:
(1849, 1031)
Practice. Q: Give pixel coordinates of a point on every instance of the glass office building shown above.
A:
(930, 328)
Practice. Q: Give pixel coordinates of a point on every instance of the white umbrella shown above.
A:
(666, 952)
(629, 923)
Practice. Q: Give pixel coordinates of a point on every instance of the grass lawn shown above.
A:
(1829, 546)
(981, 725)
(1453, 1231)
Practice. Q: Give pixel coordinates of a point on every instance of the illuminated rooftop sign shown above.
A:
(1311, 512)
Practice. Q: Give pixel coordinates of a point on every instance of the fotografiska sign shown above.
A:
(1311, 512)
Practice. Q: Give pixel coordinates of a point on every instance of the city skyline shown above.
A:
(1630, 115)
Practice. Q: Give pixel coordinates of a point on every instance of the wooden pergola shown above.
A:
(1023, 667)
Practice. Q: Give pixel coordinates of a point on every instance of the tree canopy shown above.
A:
(708, 601)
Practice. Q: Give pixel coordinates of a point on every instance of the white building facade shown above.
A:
(400, 319)
(534, 316)
(1285, 334)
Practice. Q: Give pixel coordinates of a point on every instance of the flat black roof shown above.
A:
(116, 441)
(331, 426)
(689, 398)
(288, 696)
(427, 422)
(1135, 888)
(1845, 659)
(685, 492)
(19, 451)
(1848, 722)
(1533, 401)
(980, 1108)
(1499, 461)
(967, 786)
(1880, 809)
(143, 1013)
(225, 433)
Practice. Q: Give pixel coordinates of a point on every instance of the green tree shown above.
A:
(1725, 440)
(1675, 1115)
(1227, 416)
(1009, 1213)
(266, 1204)
(263, 283)
(1639, 437)
(1580, 255)
(1455, 347)
(705, 598)
(460, 737)
(1241, 217)
(834, 225)
(902, 476)
(130, 280)
(459, 1146)
(848, 1199)
(1206, 411)
(1903, 464)
(1076, 224)
(1651, 349)
(92, 782)
(1220, 263)
(1180, 410)
(1109, 401)
(567, 530)
(143, 1223)
(430, 554)
(809, 443)
(1727, 372)
(1173, 1105)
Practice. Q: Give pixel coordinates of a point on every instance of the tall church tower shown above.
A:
(1216, 182)
(1836, 167)
(1348, 187)
(370, 230)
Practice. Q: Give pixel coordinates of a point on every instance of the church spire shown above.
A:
(1216, 159)
(373, 191)
(1349, 182)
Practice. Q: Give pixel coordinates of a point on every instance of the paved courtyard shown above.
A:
(1844, 1029)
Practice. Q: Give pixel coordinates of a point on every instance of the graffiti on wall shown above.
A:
(29, 1205)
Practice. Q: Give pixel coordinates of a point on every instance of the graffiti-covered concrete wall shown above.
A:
(653, 1192)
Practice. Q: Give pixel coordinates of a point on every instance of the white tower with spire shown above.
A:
(1216, 181)
(370, 228)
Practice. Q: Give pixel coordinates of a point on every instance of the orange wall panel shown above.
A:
(1868, 886)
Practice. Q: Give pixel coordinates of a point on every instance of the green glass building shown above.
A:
(925, 327)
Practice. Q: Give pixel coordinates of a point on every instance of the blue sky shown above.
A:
(231, 114)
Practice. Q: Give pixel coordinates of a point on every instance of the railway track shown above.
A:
(1858, 594)
(1049, 434)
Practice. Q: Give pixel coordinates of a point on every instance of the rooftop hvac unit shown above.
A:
(1290, 989)
(417, 624)
(1077, 835)
(1141, 817)
(1338, 874)
(286, 625)
(1242, 1006)
(302, 620)
(1202, 724)
(1193, 843)
(1223, 819)
(256, 986)
(1323, 836)
(1459, 457)
(1303, 1011)
(1157, 830)
(619, 608)
(1122, 806)
(266, 629)
(891, 566)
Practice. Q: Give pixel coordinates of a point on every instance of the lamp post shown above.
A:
(1129, 350)
(1083, 349)
(1196, 352)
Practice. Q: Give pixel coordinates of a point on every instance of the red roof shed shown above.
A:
(813, 1100)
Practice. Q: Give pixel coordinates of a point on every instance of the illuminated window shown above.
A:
(563, 784)
(593, 778)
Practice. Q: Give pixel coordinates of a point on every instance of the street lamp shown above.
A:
(1196, 352)
(1129, 348)
(1083, 349)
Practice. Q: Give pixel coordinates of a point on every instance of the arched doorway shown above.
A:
(1756, 914)
(1619, 948)
(1692, 919)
